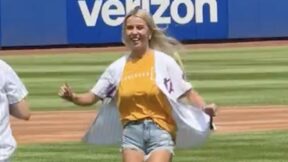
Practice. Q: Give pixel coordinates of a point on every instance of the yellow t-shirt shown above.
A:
(138, 96)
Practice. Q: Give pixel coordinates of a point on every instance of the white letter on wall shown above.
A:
(90, 18)
(189, 8)
(213, 10)
(158, 15)
(131, 4)
(107, 12)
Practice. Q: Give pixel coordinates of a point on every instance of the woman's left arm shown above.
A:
(192, 97)
(183, 90)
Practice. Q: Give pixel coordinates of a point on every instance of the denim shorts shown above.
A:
(146, 136)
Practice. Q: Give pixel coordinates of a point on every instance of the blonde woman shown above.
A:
(148, 106)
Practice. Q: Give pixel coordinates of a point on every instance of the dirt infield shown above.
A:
(63, 126)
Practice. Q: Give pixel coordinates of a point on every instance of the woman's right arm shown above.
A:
(82, 99)
(104, 88)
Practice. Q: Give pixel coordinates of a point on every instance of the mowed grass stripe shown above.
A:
(67, 68)
(240, 147)
(236, 76)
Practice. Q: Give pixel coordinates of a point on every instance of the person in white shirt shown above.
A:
(12, 102)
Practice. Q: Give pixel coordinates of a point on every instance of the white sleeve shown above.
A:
(13, 87)
(106, 85)
(179, 84)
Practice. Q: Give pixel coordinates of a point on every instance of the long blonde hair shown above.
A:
(159, 40)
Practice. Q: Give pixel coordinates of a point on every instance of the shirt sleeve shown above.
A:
(105, 86)
(179, 84)
(14, 87)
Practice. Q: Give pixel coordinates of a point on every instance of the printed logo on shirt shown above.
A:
(138, 75)
(168, 84)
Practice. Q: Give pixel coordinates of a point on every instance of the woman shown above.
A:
(12, 101)
(148, 88)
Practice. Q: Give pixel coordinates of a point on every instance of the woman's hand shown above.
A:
(66, 92)
(192, 97)
(210, 109)
(83, 99)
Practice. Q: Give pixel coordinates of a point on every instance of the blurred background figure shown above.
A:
(12, 102)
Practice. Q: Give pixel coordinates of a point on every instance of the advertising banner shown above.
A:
(93, 22)
(99, 21)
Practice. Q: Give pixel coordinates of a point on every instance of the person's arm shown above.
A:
(82, 99)
(20, 110)
(184, 92)
(192, 97)
(104, 88)
(16, 93)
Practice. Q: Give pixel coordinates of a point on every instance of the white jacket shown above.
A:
(192, 123)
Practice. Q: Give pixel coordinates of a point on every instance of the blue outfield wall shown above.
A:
(258, 18)
(70, 22)
(85, 25)
(33, 22)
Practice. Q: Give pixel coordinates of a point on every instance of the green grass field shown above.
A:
(243, 147)
(235, 76)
